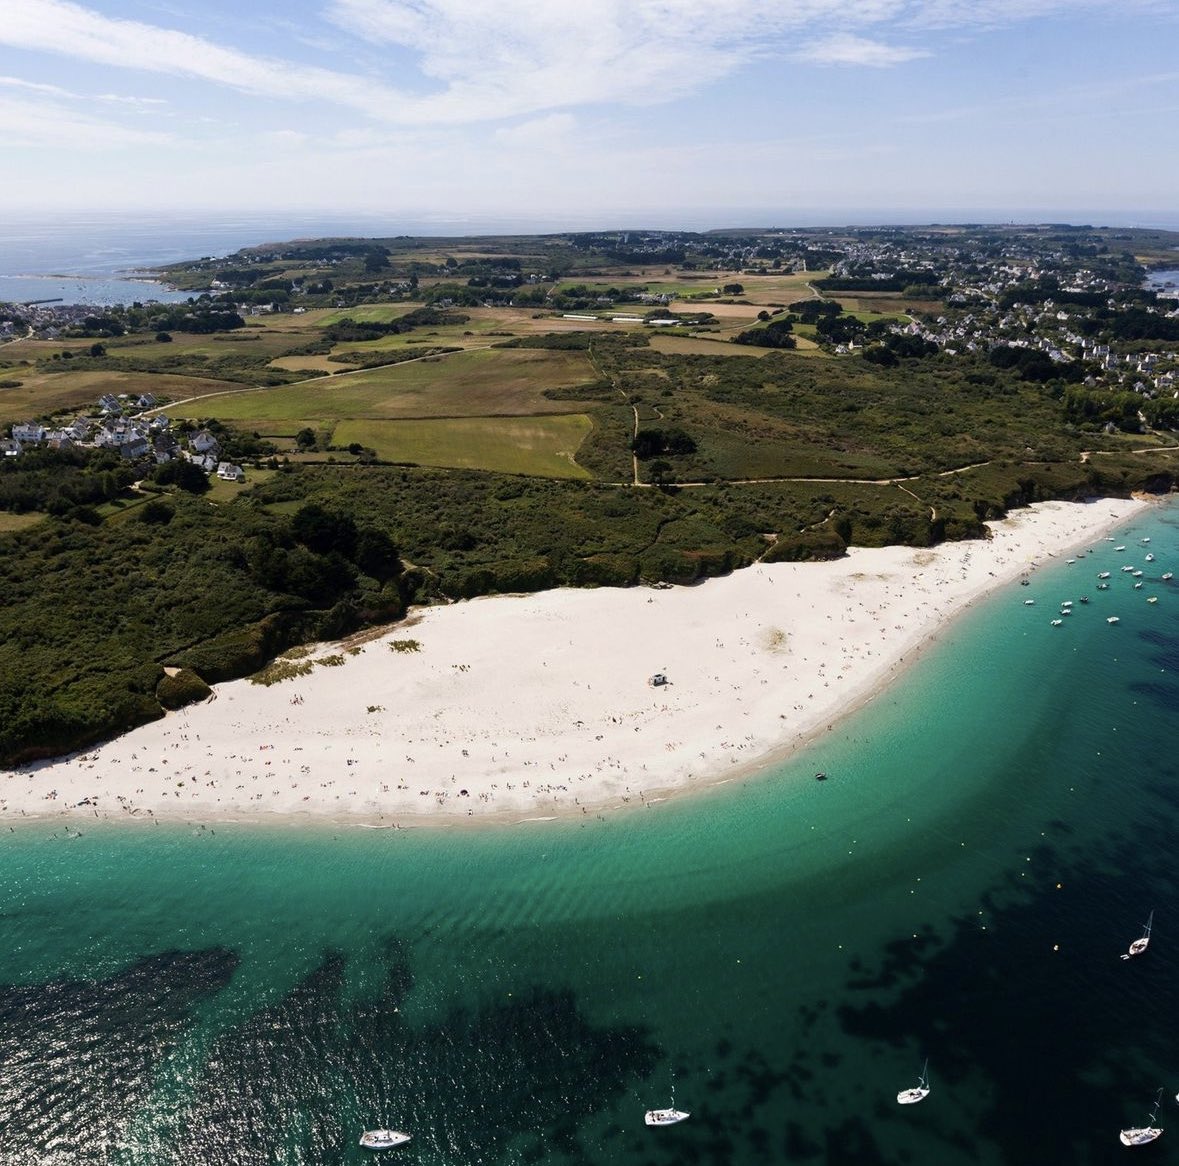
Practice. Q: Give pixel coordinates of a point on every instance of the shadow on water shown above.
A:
(296, 1082)
(1051, 1042)
(78, 1057)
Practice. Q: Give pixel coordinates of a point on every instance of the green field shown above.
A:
(244, 342)
(542, 446)
(42, 393)
(10, 522)
(466, 384)
(677, 344)
(367, 314)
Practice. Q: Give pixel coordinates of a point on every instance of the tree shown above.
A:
(659, 471)
(305, 438)
(733, 289)
(376, 554)
(182, 474)
(156, 513)
(97, 349)
(324, 531)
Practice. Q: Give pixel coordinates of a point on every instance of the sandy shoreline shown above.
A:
(542, 706)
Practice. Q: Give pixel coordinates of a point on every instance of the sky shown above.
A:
(594, 112)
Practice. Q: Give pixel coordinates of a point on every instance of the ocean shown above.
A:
(778, 956)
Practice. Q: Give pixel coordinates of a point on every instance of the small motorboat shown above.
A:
(1136, 574)
(1152, 599)
(1057, 622)
(383, 1139)
(1112, 619)
(1121, 548)
(1145, 539)
(1103, 575)
(1084, 598)
(665, 1117)
(1150, 558)
(1066, 603)
(1137, 586)
(1168, 575)
(1029, 603)
(820, 777)
(1102, 586)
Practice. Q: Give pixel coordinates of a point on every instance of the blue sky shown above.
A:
(599, 112)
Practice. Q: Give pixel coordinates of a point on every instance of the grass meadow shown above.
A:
(485, 382)
(540, 446)
(43, 392)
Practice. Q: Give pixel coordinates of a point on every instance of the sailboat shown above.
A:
(919, 1092)
(1140, 945)
(666, 1117)
(1144, 1134)
(383, 1139)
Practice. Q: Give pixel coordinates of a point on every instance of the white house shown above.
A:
(29, 432)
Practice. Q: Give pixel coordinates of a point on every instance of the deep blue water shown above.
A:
(777, 954)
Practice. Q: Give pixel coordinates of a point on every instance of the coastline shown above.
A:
(539, 707)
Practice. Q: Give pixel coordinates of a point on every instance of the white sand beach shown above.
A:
(530, 707)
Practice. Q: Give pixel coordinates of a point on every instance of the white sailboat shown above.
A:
(383, 1139)
(1143, 1134)
(1140, 945)
(665, 1117)
(919, 1092)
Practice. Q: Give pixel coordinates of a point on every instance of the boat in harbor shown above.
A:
(1140, 945)
(1057, 622)
(1143, 1134)
(1103, 575)
(1150, 558)
(1029, 603)
(1167, 575)
(1112, 619)
(1119, 548)
(919, 1092)
(1152, 599)
(383, 1139)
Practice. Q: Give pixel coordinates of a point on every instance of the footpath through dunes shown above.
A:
(548, 704)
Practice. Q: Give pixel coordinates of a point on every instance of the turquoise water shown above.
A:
(778, 954)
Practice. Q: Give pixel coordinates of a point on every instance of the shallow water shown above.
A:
(778, 954)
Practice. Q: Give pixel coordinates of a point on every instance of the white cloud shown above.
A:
(846, 49)
(471, 61)
(35, 87)
(547, 131)
(50, 125)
